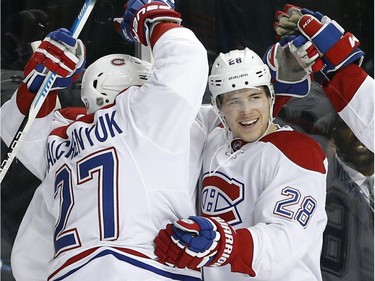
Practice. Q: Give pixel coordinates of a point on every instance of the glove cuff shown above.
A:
(238, 249)
(160, 29)
(342, 53)
(25, 98)
(227, 250)
(243, 260)
(336, 48)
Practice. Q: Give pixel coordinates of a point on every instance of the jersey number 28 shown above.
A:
(306, 207)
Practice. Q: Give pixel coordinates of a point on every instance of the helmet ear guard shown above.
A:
(104, 79)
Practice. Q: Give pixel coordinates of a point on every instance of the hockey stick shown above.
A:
(41, 95)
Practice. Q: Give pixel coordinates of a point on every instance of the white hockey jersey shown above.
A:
(276, 188)
(112, 180)
(205, 122)
(352, 92)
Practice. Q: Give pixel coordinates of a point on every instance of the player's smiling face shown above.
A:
(247, 112)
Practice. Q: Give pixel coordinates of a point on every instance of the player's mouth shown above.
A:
(249, 123)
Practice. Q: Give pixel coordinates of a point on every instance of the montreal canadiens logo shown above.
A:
(221, 197)
(118, 61)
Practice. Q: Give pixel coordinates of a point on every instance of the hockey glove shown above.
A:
(306, 54)
(336, 47)
(288, 34)
(288, 76)
(286, 23)
(60, 53)
(200, 241)
(141, 16)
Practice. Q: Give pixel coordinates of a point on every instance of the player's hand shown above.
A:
(286, 23)
(293, 58)
(289, 77)
(336, 48)
(141, 16)
(200, 241)
(60, 53)
(306, 54)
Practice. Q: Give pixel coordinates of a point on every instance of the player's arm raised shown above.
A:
(348, 86)
(58, 52)
(339, 59)
(176, 50)
(320, 44)
(292, 59)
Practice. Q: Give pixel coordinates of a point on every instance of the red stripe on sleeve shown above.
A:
(24, 100)
(243, 261)
(344, 85)
(160, 29)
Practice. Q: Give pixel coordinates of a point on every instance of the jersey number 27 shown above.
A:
(104, 163)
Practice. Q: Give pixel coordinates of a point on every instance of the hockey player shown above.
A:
(350, 178)
(325, 46)
(115, 175)
(347, 85)
(350, 193)
(264, 187)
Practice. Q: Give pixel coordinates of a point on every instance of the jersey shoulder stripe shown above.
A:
(299, 148)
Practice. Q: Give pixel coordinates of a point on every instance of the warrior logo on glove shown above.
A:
(200, 241)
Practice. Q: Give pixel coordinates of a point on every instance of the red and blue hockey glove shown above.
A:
(336, 48)
(60, 53)
(306, 54)
(286, 23)
(288, 34)
(293, 58)
(200, 241)
(288, 76)
(141, 16)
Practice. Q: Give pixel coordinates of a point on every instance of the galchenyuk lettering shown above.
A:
(81, 138)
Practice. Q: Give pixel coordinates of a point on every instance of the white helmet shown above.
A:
(238, 69)
(104, 79)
